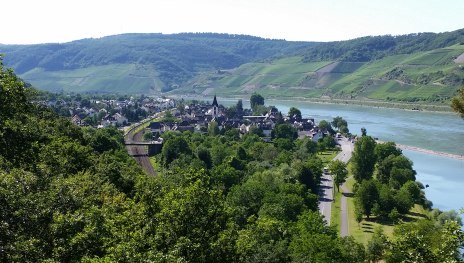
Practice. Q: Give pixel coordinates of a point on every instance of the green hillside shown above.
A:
(430, 76)
(115, 78)
(414, 67)
(173, 59)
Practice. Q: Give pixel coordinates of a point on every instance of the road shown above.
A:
(326, 197)
(326, 192)
(344, 156)
(139, 152)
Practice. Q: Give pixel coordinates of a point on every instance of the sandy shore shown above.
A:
(417, 149)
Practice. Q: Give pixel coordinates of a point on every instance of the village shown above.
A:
(198, 117)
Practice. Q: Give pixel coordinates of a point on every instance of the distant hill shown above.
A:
(414, 67)
(137, 63)
(428, 76)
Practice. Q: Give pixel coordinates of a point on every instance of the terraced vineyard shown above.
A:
(431, 76)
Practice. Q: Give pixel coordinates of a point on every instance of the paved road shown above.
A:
(139, 152)
(326, 197)
(344, 156)
(326, 192)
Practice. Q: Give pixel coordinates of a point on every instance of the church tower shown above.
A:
(215, 107)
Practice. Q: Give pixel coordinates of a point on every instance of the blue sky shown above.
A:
(33, 21)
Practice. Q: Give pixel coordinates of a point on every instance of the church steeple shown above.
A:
(215, 104)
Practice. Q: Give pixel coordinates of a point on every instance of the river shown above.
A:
(442, 132)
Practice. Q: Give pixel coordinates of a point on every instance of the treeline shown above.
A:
(369, 48)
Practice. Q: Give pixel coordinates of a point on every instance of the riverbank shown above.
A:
(442, 108)
(417, 149)
(426, 151)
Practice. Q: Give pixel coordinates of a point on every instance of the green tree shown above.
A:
(366, 195)
(328, 142)
(363, 131)
(213, 128)
(377, 246)
(338, 122)
(324, 126)
(339, 172)
(363, 159)
(239, 107)
(190, 220)
(457, 103)
(173, 148)
(256, 130)
(255, 100)
(397, 168)
(204, 155)
(294, 113)
(424, 241)
(285, 131)
(383, 150)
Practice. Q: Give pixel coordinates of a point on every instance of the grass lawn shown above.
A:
(327, 156)
(336, 212)
(363, 231)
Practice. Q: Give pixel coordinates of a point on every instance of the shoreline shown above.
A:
(431, 152)
(427, 151)
(446, 109)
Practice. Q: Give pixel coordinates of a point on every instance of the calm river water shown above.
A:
(433, 131)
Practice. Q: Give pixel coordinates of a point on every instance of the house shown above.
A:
(120, 119)
(155, 127)
(76, 120)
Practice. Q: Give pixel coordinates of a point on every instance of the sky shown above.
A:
(46, 21)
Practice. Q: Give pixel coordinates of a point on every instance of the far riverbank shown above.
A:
(442, 108)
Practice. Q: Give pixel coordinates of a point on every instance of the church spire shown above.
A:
(215, 104)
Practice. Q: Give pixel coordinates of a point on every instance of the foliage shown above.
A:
(363, 158)
(294, 113)
(71, 194)
(284, 131)
(339, 172)
(425, 242)
(457, 103)
(256, 100)
(383, 150)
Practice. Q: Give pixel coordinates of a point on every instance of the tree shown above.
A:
(173, 148)
(366, 195)
(363, 131)
(377, 246)
(239, 107)
(457, 103)
(213, 128)
(395, 170)
(294, 113)
(324, 126)
(338, 122)
(255, 100)
(383, 150)
(339, 172)
(363, 158)
(285, 131)
(328, 142)
(425, 241)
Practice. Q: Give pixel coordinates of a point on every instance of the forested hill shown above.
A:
(375, 47)
(168, 59)
(199, 62)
